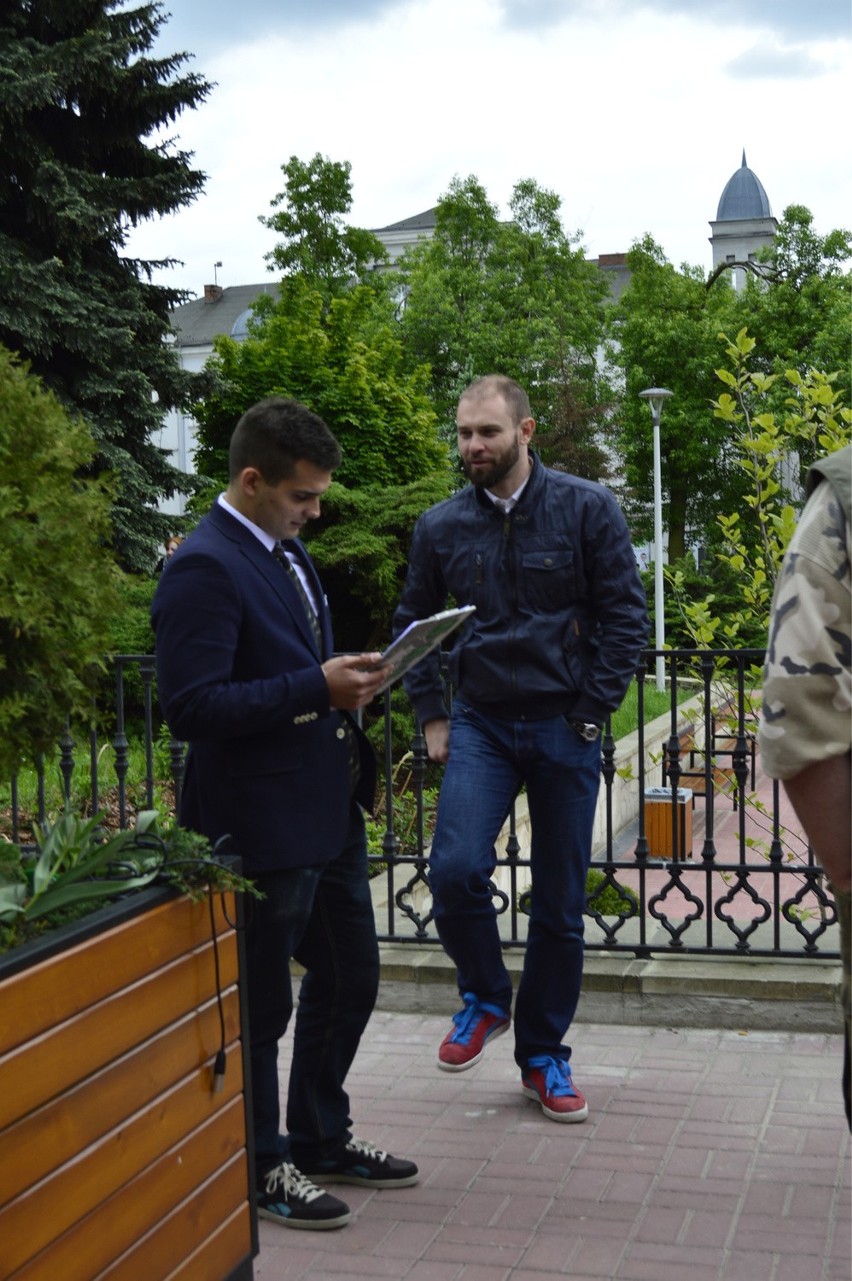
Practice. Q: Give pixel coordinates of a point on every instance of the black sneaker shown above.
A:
(292, 1200)
(366, 1166)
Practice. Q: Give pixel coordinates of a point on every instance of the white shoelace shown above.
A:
(287, 1179)
(363, 1148)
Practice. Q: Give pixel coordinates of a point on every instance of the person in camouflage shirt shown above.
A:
(805, 733)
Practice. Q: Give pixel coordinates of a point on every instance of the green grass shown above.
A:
(655, 703)
(54, 794)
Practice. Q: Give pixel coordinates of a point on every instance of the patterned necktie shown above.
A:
(351, 742)
(279, 553)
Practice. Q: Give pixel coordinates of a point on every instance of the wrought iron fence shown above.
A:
(695, 851)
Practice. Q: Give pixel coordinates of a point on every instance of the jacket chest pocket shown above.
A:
(548, 579)
(474, 577)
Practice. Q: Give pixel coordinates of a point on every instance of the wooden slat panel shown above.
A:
(45, 1067)
(220, 1254)
(53, 990)
(52, 1135)
(118, 1223)
(204, 1236)
(37, 1217)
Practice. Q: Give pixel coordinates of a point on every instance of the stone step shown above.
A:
(671, 991)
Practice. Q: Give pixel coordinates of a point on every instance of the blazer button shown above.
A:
(341, 732)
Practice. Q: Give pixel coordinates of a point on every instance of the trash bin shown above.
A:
(658, 823)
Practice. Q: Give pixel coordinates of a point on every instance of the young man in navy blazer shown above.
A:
(246, 676)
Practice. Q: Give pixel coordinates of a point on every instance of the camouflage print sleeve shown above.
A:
(807, 682)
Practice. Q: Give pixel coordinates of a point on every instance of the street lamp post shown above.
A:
(655, 397)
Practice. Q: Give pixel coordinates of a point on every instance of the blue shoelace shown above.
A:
(557, 1075)
(467, 1019)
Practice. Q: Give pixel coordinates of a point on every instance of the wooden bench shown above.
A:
(693, 772)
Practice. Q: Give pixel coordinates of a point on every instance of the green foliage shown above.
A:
(406, 815)
(47, 793)
(81, 106)
(57, 576)
(346, 363)
(129, 628)
(517, 298)
(361, 547)
(79, 865)
(607, 899)
(129, 631)
(755, 538)
(797, 311)
(715, 589)
(664, 333)
(316, 242)
(73, 862)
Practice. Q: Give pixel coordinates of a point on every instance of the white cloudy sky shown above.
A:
(635, 111)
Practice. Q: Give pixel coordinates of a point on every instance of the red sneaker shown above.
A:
(474, 1026)
(548, 1081)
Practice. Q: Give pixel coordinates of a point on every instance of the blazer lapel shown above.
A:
(277, 576)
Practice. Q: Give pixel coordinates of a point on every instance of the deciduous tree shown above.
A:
(316, 241)
(797, 310)
(755, 536)
(515, 297)
(345, 362)
(664, 332)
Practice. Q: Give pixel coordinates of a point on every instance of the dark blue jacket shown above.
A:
(240, 678)
(561, 616)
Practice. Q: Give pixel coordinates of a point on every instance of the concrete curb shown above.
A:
(739, 993)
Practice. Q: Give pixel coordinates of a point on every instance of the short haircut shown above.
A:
(276, 434)
(513, 395)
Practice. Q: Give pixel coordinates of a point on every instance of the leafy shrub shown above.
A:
(57, 573)
(605, 899)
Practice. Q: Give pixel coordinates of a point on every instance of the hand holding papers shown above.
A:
(418, 639)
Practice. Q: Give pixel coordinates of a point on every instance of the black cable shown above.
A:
(219, 1063)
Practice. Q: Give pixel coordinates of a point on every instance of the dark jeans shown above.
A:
(322, 916)
(489, 761)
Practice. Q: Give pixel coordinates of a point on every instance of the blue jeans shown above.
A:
(489, 761)
(322, 916)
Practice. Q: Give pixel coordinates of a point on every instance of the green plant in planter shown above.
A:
(78, 865)
(75, 862)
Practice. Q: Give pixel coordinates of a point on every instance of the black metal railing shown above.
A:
(695, 851)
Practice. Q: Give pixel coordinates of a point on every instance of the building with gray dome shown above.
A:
(744, 223)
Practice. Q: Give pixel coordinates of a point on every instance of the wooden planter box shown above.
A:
(117, 1160)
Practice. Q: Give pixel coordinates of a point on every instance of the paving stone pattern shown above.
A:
(708, 1156)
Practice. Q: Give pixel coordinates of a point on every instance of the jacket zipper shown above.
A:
(513, 580)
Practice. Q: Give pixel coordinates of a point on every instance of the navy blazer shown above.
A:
(240, 680)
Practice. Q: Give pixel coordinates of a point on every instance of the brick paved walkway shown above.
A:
(708, 1156)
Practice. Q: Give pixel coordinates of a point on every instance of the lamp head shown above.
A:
(655, 397)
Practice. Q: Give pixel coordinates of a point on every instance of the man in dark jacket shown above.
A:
(246, 674)
(559, 626)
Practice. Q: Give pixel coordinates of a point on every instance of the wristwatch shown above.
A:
(587, 730)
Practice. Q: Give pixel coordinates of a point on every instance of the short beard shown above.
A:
(488, 479)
